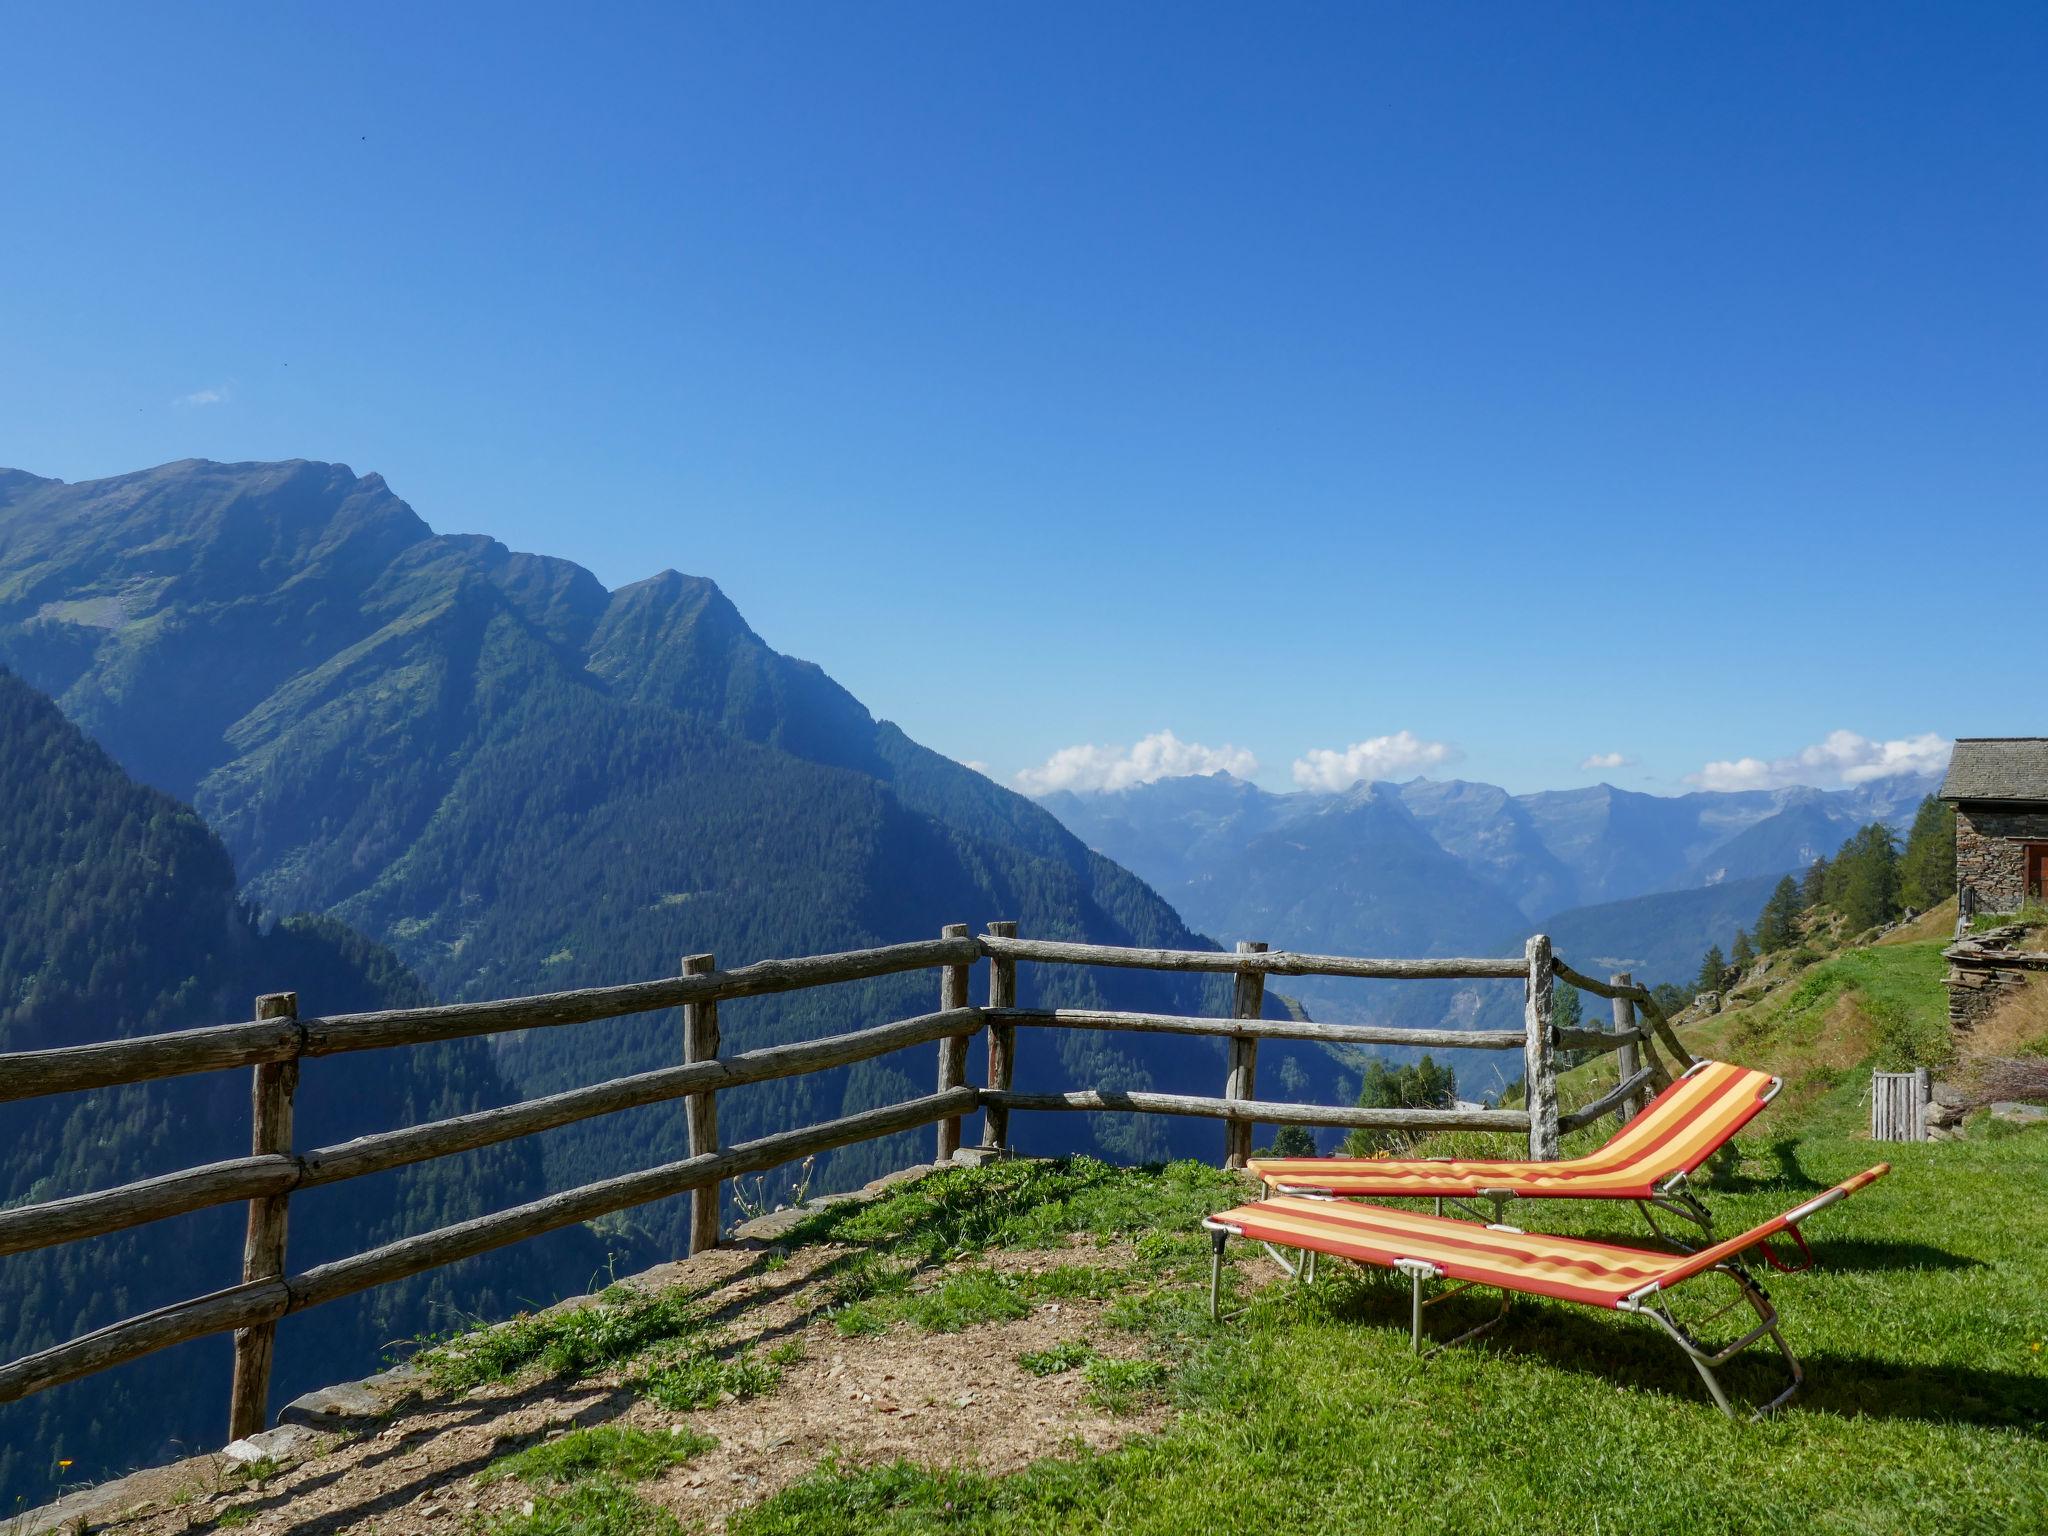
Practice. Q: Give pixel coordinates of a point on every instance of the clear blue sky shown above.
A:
(1542, 381)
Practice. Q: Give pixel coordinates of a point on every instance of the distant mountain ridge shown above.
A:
(1438, 867)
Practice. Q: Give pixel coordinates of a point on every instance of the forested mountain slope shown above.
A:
(118, 916)
(521, 782)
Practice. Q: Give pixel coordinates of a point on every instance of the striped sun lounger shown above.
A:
(1649, 1160)
(1597, 1274)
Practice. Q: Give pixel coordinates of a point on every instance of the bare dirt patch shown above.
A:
(940, 1399)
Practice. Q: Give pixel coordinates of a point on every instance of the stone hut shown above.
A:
(1999, 787)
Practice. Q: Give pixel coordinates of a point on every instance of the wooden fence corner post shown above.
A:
(1539, 1059)
(274, 1083)
(1626, 1060)
(1241, 1082)
(700, 1110)
(1002, 1040)
(953, 1048)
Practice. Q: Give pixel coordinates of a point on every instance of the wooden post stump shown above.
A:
(274, 1083)
(1539, 1060)
(700, 1043)
(1626, 1058)
(1242, 1080)
(1002, 1040)
(952, 1049)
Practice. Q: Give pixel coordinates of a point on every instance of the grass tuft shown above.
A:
(577, 1342)
(608, 1450)
(1059, 1359)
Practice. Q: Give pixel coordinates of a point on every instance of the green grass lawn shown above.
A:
(1922, 1329)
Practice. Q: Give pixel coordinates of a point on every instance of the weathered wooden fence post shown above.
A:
(1002, 1040)
(700, 1110)
(1626, 1060)
(1539, 1060)
(263, 1247)
(952, 1049)
(1242, 1080)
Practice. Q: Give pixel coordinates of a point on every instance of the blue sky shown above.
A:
(1539, 382)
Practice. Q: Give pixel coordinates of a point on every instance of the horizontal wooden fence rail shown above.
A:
(1261, 1029)
(1277, 962)
(277, 1043)
(246, 1178)
(1268, 1111)
(30, 1074)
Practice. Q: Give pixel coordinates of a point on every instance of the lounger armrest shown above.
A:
(1720, 1253)
(1841, 1191)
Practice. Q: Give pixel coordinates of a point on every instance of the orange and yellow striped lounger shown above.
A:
(1597, 1274)
(1649, 1160)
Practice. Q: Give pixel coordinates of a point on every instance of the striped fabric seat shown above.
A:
(1676, 1132)
(1428, 1249)
(1567, 1268)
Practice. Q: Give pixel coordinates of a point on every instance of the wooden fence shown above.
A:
(1898, 1105)
(277, 1043)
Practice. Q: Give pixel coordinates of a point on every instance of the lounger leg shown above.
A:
(1704, 1361)
(1217, 1238)
(1417, 1271)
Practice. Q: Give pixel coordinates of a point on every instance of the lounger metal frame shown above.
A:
(1649, 1302)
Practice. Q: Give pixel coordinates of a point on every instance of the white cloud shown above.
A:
(217, 395)
(978, 766)
(1379, 758)
(1602, 760)
(1842, 758)
(1162, 755)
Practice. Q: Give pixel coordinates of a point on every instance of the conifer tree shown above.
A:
(1927, 870)
(1777, 926)
(1813, 889)
(1425, 1085)
(1712, 964)
(1743, 954)
(1869, 867)
(1292, 1141)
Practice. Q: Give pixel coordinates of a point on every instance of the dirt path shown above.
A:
(940, 1399)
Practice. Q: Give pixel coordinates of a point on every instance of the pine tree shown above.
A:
(1292, 1141)
(1777, 926)
(1927, 870)
(1743, 955)
(1567, 1008)
(1425, 1085)
(1813, 889)
(1870, 883)
(1712, 964)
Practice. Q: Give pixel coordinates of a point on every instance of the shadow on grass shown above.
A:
(1626, 1352)
(1869, 1255)
(1783, 1154)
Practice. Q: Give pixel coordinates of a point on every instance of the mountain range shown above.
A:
(519, 781)
(1629, 880)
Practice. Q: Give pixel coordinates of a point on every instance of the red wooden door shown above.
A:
(2037, 870)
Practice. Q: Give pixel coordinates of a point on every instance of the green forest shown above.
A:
(123, 920)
